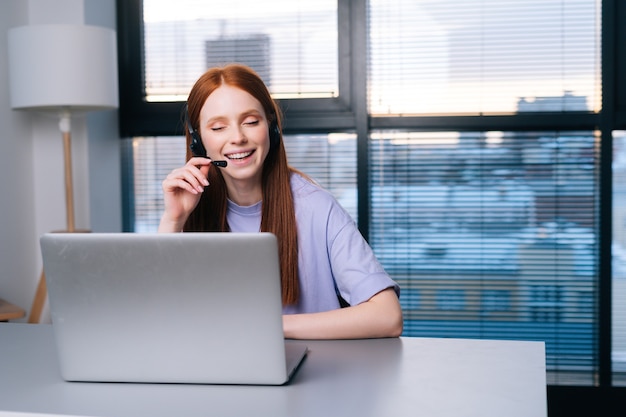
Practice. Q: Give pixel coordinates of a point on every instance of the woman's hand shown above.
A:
(182, 189)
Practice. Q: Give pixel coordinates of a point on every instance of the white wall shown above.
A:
(32, 193)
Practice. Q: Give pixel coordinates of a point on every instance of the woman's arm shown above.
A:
(380, 316)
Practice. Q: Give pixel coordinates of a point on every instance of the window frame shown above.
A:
(139, 117)
(349, 112)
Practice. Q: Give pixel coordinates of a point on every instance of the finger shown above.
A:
(187, 178)
(179, 184)
(199, 161)
(204, 170)
(199, 174)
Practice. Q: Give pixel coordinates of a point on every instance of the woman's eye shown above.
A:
(217, 128)
(252, 122)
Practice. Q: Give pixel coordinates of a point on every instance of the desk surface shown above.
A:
(378, 377)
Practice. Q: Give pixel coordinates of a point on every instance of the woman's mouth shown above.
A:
(238, 155)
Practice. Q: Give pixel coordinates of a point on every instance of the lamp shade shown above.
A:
(71, 67)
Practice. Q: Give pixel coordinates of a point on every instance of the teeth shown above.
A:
(239, 155)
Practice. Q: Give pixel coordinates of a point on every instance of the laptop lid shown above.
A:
(168, 308)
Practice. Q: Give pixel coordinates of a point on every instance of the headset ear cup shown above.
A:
(196, 145)
(274, 135)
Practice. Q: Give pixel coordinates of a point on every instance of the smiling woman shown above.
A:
(324, 259)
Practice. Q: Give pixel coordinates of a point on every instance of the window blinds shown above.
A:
(618, 284)
(491, 235)
(291, 44)
(487, 56)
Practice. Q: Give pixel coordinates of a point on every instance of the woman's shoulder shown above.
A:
(302, 185)
(312, 196)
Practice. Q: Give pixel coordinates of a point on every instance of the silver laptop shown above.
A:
(168, 308)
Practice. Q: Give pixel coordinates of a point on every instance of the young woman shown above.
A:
(325, 262)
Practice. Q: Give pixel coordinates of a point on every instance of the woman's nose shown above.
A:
(238, 136)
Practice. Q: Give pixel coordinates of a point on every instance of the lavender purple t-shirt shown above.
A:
(332, 254)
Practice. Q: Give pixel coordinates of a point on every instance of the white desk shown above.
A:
(379, 377)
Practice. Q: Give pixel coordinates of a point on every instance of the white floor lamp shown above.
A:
(62, 69)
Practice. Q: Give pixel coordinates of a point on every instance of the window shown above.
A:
(467, 137)
(510, 207)
(479, 57)
(292, 45)
(450, 300)
(496, 301)
(619, 255)
(410, 299)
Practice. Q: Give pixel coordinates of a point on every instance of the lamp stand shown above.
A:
(42, 291)
(75, 56)
(65, 127)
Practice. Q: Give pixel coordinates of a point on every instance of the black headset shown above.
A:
(197, 148)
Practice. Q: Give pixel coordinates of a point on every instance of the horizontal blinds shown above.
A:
(291, 44)
(491, 235)
(153, 158)
(330, 160)
(488, 56)
(618, 285)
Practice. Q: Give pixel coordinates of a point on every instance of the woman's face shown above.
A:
(234, 127)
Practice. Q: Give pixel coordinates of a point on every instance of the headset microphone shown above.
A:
(221, 163)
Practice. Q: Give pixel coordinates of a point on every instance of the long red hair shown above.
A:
(278, 213)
